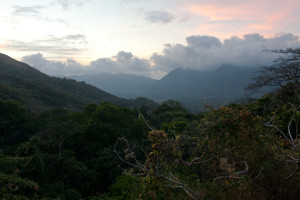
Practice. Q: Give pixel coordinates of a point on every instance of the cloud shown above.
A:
(130, 1)
(163, 17)
(76, 37)
(34, 12)
(68, 45)
(207, 52)
(66, 4)
(159, 17)
(203, 41)
(26, 11)
(69, 67)
(123, 62)
(199, 52)
(245, 16)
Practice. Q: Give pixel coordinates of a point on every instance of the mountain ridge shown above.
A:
(38, 91)
(190, 86)
(123, 85)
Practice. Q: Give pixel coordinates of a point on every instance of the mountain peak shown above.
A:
(38, 91)
(5, 59)
(12, 67)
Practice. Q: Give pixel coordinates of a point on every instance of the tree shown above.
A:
(14, 120)
(285, 69)
(234, 155)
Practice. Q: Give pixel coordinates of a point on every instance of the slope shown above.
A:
(122, 85)
(38, 91)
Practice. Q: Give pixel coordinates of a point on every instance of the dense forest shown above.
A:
(106, 151)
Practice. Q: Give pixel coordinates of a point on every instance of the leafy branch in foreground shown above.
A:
(157, 161)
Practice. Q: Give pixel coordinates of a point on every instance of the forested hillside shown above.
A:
(37, 91)
(109, 152)
(106, 151)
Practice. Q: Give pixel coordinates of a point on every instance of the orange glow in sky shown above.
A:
(93, 29)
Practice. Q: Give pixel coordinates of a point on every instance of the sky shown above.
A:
(145, 37)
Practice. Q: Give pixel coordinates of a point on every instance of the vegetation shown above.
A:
(67, 154)
(105, 151)
(234, 152)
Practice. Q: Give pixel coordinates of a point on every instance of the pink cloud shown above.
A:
(218, 13)
(246, 16)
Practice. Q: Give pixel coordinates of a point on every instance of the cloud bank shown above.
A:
(199, 52)
(123, 62)
(207, 52)
(68, 67)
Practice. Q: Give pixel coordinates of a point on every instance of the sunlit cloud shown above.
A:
(201, 52)
(123, 62)
(263, 16)
(90, 29)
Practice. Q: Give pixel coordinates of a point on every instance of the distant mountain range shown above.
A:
(192, 87)
(38, 91)
(122, 85)
(179, 84)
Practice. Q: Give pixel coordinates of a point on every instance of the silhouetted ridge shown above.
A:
(12, 67)
(38, 91)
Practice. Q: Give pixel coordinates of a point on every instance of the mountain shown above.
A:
(177, 85)
(12, 67)
(193, 88)
(181, 84)
(196, 88)
(38, 91)
(122, 85)
(184, 84)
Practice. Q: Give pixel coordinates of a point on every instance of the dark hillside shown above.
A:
(38, 91)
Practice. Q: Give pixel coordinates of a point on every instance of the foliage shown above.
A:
(233, 155)
(107, 151)
(14, 125)
(13, 187)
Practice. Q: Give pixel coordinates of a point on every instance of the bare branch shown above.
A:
(129, 151)
(284, 69)
(245, 170)
(132, 161)
(292, 174)
(291, 159)
(236, 175)
(268, 124)
(256, 177)
(142, 116)
(194, 160)
(179, 184)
